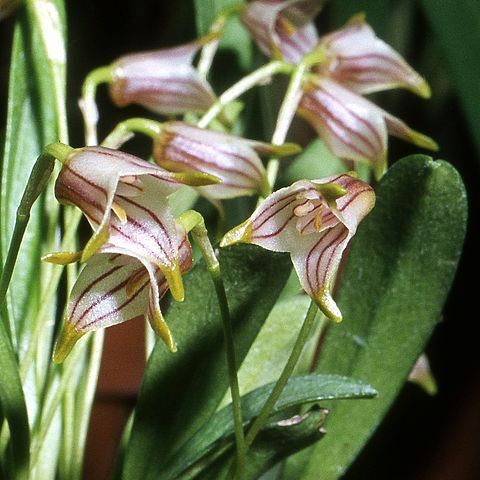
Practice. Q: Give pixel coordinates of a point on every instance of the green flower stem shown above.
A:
(302, 338)
(193, 221)
(210, 49)
(37, 181)
(285, 117)
(87, 102)
(125, 130)
(246, 83)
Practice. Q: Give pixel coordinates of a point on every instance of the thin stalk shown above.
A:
(285, 118)
(246, 83)
(87, 103)
(302, 338)
(124, 131)
(194, 222)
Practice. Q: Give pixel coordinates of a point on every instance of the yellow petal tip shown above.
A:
(327, 305)
(240, 234)
(160, 327)
(66, 341)
(175, 282)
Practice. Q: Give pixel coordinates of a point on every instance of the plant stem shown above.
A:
(37, 181)
(194, 222)
(284, 376)
(124, 131)
(87, 102)
(284, 119)
(246, 83)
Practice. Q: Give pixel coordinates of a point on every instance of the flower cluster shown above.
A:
(139, 250)
(347, 64)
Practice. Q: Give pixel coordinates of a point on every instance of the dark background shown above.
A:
(423, 437)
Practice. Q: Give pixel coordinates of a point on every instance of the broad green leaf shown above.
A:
(182, 391)
(457, 25)
(395, 282)
(299, 391)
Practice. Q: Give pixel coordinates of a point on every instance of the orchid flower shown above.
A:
(283, 28)
(313, 220)
(235, 161)
(163, 81)
(360, 61)
(116, 287)
(101, 181)
(353, 127)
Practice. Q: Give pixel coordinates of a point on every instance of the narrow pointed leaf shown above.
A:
(394, 285)
(181, 391)
(299, 391)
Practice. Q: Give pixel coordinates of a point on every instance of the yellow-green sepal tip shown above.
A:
(69, 336)
(240, 234)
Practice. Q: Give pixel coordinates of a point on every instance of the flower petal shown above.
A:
(362, 62)
(91, 178)
(163, 81)
(316, 261)
(282, 28)
(182, 148)
(352, 127)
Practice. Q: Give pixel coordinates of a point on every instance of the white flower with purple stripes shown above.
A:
(353, 127)
(233, 160)
(163, 81)
(313, 220)
(363, 63)
(113, 288)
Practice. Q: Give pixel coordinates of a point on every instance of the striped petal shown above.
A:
(163, 81)
(234, 160)
(313, 221)
(352, 127)
(362, 62)
(115, 287)
(100, 181)
(283, 28)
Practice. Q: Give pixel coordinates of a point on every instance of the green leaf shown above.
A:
(182, 391)
(457, 24)
(13, 408)
(299, 391)
(395, 282)
(31, 123)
